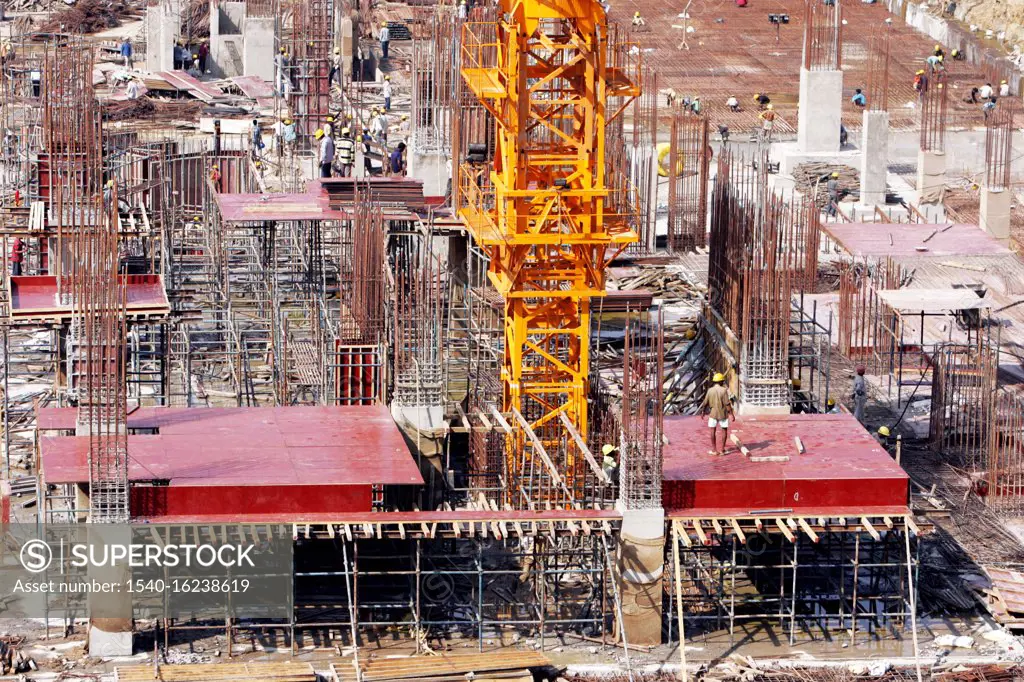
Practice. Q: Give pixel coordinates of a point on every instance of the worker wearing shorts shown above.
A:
(718, 407)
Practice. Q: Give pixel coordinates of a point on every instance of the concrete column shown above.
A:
(995, 213)
(162, 23)
(874, 159)
(931, 176)
(346, 44)
(110, 614)
(820, 111)
(258, 47)
(641, 566)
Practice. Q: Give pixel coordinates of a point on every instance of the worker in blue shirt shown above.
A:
(859, 99)
(126, 52)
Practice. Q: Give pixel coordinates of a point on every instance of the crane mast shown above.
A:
(543, 212)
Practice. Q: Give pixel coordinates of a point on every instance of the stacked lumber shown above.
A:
(504, 665)
(405, 192)
(809, 175)
(217, 672)
(1005, 599)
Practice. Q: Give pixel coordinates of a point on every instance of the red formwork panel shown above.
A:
(842, 466)
(34, 296)
(243, 501)
(239, 462)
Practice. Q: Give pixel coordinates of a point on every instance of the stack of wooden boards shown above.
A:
(396, 191)
(505, 665)
(217, 672)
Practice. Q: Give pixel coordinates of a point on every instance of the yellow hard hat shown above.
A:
(345, 131)
(110, 183)
(938, 47)
(771, 106)
(919, 72)
(387, 78)
(282, 50)
(195, 56)
(213, 167)
(757, 96)
(288, 121)
(337, 50)
(319, 133)
(349, 115)
(405, 117)
(636, 14)
(690, 334)
(384, 25)
(607, 449)
(718, 378)
(835, 174)
(883, 431)
(330, 119)
(831, 402)
(796, 384)
(1002, 82)
(196, 219)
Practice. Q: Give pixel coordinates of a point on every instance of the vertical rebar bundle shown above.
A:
(878, 69)
(86, 212)
(416, 319)
(934, 105)
(999, 144)
(688, 163)
(642, 411)
(310, 51)
(823, 35)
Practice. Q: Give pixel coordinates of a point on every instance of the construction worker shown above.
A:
(281, 75)
(733, 103)
(403, 127)
(194, 69)
(762, 101)
(216, 178)
(326, 152)
(385, 40)
(131, 91)
(638, 20)
(934, 62)
(335, 68)
(957, 55)
(127, 52)
(860, 394)
(257, 139)
(329, 126)
(288, 134)
(938, 51)
(379, 126)
(1004, 89)
(396, 162)
(832, 187)
(17, 256)
(367, 141)
(831, 407)
(179, 56)
(387, 93)
(609, 463)
(695, 105)
(346, 152)
(767, 118)
(463, 11)
(203, 51)
(882, 436)
(920, 81)
(972, 98)
(985, 92)
(718, 407)
(858, 99)
(989, 106)
(108, 195)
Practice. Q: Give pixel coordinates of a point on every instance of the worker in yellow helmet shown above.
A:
(609, 462)
(346, 148)
(385, 40)
(883, 436)
(831, 406)
(717, 406)
(638, 20)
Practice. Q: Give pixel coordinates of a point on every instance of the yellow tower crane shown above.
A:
(544, 214)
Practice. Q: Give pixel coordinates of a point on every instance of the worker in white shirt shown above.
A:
(387, 93)
(1004, 89)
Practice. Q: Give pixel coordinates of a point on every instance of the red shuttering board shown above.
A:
(842, 466)
(239, 502)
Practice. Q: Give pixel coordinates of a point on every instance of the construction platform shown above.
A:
(842, 471)
(900, 240)
(242, 464)
(34, 298)
(325, 199)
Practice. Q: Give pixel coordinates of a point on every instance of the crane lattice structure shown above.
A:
(544, 213)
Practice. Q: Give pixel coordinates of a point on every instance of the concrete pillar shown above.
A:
(431, 168)
(641, 567)
(346, 44)
(162, 26)
(110, 614)
(931, 176)
(258, 47)
(820, 111)
(995, 213)
(874, 159)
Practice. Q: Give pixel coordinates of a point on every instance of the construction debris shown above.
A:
(90, 16)
(811, 180)
(145, 108)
